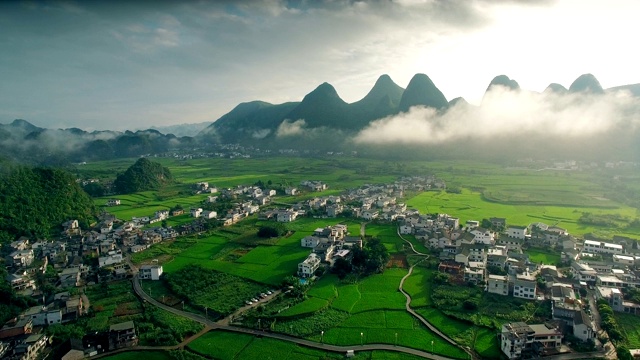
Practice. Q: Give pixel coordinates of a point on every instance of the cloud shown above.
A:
(505, 112)
(260, 134)
(98, 64)
(289, 128)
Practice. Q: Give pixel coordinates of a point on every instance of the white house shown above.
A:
(209, 214)
(583, 272)
(406, 229)
(291, 191)
(519, 337)
(498, 284)
(309, 266)
(286, 216)
(525, 287)
(196, 212)
(518, 232)
(369, 215)
(212, 199)
(310, 241)
(152, 272)
(113, 257)
(595, 247)
(106, 227)
(113, 202)
(162, 214)
(624, 259)
(40, 315)
(483, 236)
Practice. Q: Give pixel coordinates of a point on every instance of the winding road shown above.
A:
(418, 316)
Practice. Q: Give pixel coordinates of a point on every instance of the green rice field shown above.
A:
(470, 205)
(372, 306)
(226, 346)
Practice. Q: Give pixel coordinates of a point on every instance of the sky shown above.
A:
(128, 65)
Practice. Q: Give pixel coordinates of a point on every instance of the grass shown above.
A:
(380, 291)
(225, 345)
(543, 256)
(114, 304)
(324, 288)
(631, 326)
(418, 286)
(348, 296)
(236, 250)
(307, 307)
(220, 293)
(482, 339)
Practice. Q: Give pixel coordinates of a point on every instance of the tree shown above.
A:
(95, 189)
(470, 305)
(272, 230)
(377, 256)
(623, 353)
(441, 278)
(341, 267)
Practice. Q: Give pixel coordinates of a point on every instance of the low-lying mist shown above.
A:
(504, 113)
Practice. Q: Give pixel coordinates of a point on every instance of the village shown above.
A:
(490, 253)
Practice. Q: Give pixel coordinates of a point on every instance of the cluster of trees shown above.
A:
(632, 294)
(35, 201)
(11, 304)
(272, 230)
(371, 259)
(142, 176)
(487, 224)
(608, 322)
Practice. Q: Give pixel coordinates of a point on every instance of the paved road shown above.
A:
(418, 316)
(312, 344)
(410, 244)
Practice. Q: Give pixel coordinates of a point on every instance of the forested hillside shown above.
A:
(141, 176)
(36, 201)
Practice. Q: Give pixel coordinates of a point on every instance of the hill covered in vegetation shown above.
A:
(36, 201)
(142, 176)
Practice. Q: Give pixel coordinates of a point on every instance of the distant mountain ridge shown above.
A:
(24, 142)
(323, 110)
(322, 120)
